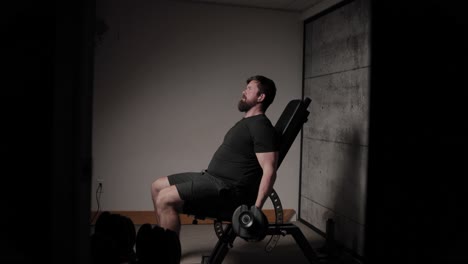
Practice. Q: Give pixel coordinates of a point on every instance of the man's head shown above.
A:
(259, 90)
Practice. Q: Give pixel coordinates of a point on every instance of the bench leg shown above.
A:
(222, 247)
(291, 229)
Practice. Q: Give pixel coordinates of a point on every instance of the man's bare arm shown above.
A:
(268, 161)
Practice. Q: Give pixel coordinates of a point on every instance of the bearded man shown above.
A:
(242, 170)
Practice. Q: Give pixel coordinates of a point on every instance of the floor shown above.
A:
(199, 240)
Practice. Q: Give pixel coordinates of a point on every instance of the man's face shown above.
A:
(249, 97)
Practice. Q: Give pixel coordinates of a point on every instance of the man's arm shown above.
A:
(268, 161)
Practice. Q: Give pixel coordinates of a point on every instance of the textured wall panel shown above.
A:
(335, 139)
(338, 41)
(340, 107)
(334, 176)
(347, 231)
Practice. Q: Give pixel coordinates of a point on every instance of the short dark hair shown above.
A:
(266, 86)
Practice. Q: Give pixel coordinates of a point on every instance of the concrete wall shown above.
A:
(168, 76)
(335, 140)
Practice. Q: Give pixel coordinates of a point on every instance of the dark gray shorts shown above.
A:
(199, 186)
(205, 195)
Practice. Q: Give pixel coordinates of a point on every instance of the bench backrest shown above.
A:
(290, 123)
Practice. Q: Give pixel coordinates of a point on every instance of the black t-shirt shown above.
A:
(235, 160)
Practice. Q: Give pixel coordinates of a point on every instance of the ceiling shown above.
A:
(285, 5)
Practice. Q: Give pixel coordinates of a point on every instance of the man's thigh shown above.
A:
(196, 186)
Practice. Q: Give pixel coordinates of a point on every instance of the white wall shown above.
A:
(168, 76)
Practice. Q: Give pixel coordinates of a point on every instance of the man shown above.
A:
(242, 170)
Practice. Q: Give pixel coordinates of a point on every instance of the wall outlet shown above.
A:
(100, 182)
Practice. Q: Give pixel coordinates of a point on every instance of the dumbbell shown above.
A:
(250, 224)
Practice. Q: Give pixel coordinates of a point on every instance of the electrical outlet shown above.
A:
(100, 182)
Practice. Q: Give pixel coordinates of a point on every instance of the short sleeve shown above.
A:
(264, 135)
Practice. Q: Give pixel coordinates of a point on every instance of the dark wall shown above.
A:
(46, 106)
(417, 147)
(26, 117)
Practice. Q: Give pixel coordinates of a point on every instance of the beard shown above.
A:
(245, 106)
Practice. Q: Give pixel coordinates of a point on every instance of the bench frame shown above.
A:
(288, 126)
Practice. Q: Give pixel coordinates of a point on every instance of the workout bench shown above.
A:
(288, 126)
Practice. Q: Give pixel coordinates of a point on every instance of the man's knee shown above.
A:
(169, 198)
(159, 185)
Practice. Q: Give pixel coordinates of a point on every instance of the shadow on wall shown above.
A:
(347, 203)
(115, 241)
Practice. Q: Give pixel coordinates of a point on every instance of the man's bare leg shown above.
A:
(156, 188)
(168, 205)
